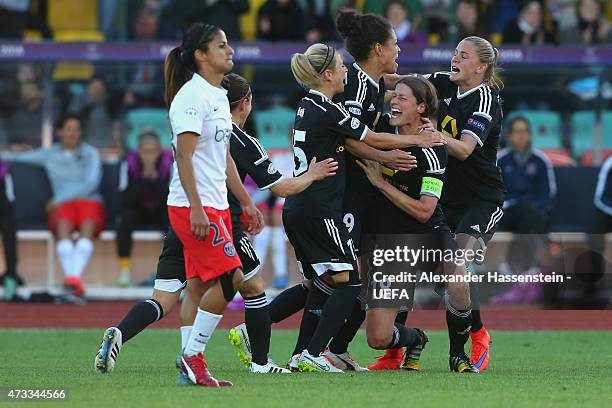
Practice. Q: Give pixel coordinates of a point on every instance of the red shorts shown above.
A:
(78, 211)
(215, 255)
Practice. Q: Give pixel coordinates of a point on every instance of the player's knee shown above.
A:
(229, 282)
(167, 300)
(252, 287)
(378, 340)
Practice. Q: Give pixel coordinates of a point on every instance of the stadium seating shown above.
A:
(582, 130)
(274, 126)
(545, 128)
(588, 157)
(137, 120)
(559, 157)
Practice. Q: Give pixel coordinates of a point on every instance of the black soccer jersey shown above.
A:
(426, 179)
(252, 159)
(477, 112)
(319, 131)
(364, 99)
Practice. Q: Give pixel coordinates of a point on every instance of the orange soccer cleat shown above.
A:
(391, 360)
(480, 349)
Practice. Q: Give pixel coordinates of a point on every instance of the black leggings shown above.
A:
(8, 229)
(129, 220)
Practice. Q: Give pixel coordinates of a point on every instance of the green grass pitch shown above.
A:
(529, 369)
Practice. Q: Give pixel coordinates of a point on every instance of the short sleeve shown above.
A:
(435, 160)
(250, 156)
(354, 95)
(441, 81)
(481, 113)
(187, 115)
(340, 121)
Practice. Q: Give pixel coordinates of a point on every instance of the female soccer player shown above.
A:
(409, 206)
(252, 159)
(470, 115)
(313, 218)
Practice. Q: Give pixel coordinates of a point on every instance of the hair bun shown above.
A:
(348, 22)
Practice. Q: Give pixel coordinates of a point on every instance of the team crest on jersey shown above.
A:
(229, 249)
(355, 123)
(271, 169)
(449, 126)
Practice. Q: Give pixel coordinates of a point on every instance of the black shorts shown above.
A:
(322, 245)
(170, 276)
(248, 257)
(479, 220)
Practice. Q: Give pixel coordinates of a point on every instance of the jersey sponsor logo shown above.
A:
(271, 169)
(475, 227)
(476, 124)
(354, 110)
(355, 123)
(387, 171)
(222, 135)
(449, 126)
(371, 108)
(229, 249)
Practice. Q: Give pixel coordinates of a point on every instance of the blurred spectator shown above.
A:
(416, 9)
(98, 112)
(107, 18)
(75, 172)
(14, 15)
(222, 13)
(396, 11)
(592, 26)
(469, 21)
(438, 14)
(143, 189)
(531, 189)
(321, 25)
(147, 79)
(8, 227)
(280, 20)
(25, 125)
(531, 27)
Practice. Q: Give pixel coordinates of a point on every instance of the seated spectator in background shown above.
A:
(438, 14)
(25, 125)
(14, 15)
(75, 172)
(280, 20)
(530, 27)
(592, 26)
(531, 189)
(321, 25)
(222, 13)
(98, 113)
(8, 228)
(146, 86)
(416, 11)
(143, 189)
(396, 11)
(469, 21)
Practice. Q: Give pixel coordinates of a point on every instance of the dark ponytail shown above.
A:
(180, 64)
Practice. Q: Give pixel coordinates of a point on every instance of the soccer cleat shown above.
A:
(344, 361)
(106, 357)
(269, 368)
(239, 337)
(412, 357)
(292, 364)
(461, 364)
(196, 370)
(308, 363)
(481, 341)
(75, 284)
(391, 360)
(123, 281)
(177, 362)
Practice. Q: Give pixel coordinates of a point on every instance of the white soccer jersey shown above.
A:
(202, 108)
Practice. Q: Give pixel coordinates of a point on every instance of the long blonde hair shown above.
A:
(487, 54)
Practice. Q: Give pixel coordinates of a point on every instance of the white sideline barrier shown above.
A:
(46, 235)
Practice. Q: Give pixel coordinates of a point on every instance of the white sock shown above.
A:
(82, 254)
(203, 327)
(65, 253)
(185, 332)
(261, 242)
(279, 252)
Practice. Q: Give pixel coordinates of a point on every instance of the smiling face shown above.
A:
(336, 74)
(404, 106)
(389, 52)
(219, 55)
(466, 67)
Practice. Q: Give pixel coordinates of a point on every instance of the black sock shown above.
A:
(340, 342)
(288, 302)
(337, 308)
(317, 297)
(475, 300)
(258, 324)
(401, 318)
(404, 337)
(139, 317)
(458, 322)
